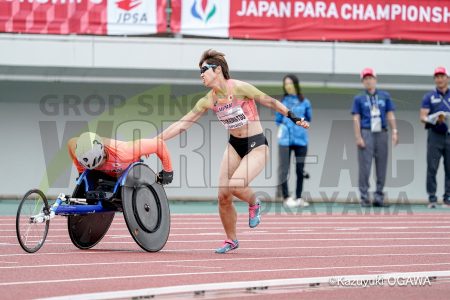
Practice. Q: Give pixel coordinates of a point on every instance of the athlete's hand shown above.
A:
(303, 123)
(164, 177)
(298, 121)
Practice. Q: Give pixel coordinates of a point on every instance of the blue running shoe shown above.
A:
(228, 245)
(254, 214)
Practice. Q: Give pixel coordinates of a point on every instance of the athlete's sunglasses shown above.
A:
(206, 68)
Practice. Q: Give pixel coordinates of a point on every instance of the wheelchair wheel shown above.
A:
(31, 224)
(146, 209)
(86, 231)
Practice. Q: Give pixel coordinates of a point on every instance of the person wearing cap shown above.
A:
(434, 112)
(372, 111)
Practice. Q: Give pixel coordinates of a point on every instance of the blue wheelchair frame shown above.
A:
(71, 209)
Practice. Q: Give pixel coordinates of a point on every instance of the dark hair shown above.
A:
(298, 90)
(214, 57)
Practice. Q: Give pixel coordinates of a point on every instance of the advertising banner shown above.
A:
(314, 20)
(96, 17)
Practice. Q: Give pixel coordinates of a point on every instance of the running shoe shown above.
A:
(228, 245)
(254, 214)
(290, 202)
(302, 202)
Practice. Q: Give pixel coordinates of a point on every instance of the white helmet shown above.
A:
(89, 150)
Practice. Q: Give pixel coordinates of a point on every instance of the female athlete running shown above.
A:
(234, 103)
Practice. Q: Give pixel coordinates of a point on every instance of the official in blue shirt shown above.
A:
(292, 138)
(372, 111)
(434, 113)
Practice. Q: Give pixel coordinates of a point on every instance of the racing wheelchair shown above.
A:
(92, 207)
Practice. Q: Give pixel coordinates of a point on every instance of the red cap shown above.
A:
(368, 72)
(440, 70)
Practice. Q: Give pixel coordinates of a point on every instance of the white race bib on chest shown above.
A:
(233, 117)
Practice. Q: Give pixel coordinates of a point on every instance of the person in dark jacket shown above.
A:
(435, 113)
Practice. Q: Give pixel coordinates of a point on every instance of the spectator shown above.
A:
(435, 114)
(372, 110)
(292, 138)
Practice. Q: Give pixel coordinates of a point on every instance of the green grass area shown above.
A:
(9, 208)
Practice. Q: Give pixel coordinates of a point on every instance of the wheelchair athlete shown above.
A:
(112, 157)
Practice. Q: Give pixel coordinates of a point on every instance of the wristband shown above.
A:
(293, 117)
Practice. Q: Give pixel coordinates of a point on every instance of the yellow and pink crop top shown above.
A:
(232, 111)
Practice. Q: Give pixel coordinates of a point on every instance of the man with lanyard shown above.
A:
(435, 114)
(372, 110)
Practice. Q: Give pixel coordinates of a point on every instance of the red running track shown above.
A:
(281, 247)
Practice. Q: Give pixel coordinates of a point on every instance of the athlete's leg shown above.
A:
(250, 166)
(228, 215)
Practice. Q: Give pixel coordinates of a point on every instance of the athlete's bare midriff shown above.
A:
(250, 129)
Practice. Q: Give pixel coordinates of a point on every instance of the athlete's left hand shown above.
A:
(303, 123)
(165, 177)
(298, 121)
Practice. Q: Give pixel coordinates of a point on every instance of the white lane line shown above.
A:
(316, 239)
(140, 276)
(393, 228)
(49, 242)
(119, 236)
(175, 217)
(387, 214)
(251, 250)
(282, 219)
(268, 228)
(235, 285)
(347, 229)
(93, 264)
(275, 222)
(202, 267)
(312, 247)
(289, 232)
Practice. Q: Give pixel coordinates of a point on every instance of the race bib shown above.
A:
(233, 118)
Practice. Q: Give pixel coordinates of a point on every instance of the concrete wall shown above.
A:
(150, 60)
(37, 118)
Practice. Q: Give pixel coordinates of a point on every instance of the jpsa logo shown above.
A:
(129, 17)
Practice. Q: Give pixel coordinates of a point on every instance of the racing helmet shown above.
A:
(90, 150)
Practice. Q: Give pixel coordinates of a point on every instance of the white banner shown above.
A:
(205, 18)
(132, 17)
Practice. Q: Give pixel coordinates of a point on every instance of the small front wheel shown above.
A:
(32, 221)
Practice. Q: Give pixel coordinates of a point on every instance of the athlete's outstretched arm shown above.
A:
(149, 146)
(251, 92)
(187, 120)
